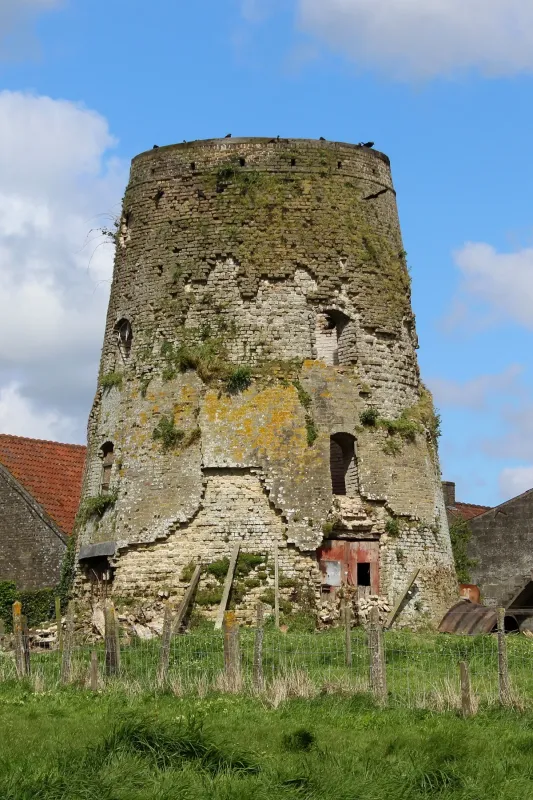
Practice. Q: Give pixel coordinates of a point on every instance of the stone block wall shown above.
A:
(230, 255)
(31, 550)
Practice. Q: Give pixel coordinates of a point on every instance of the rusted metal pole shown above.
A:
(164, 656)
(258, 649)
(503, 662)
(232, 655)
(66, 661)
(466, 695)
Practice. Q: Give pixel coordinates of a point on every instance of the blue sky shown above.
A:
(446, 93)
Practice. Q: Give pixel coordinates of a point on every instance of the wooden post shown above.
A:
(26, 646)
(66, 661)
(276, 584)
(18, 643)
(378, 683)
(2, 633)
(112, 651)
(227, 587)
(466, 697)
(58, 623)
(94, 671)
(401, 597)
(258, 649)
(232, 655)
(348, 632)
(166, 636)
(187, 597)
(503, 664)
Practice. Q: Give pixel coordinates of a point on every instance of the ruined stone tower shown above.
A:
(259, 384)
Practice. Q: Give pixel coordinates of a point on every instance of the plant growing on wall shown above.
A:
(167, 433)
(460, 535)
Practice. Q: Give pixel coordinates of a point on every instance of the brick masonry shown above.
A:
(247, 251)
(31, 545)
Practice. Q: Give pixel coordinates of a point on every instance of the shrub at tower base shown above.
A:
(259, 385)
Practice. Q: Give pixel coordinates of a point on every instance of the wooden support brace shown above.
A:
(227, 587)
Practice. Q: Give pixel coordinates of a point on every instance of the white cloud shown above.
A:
(55, 179)
(16, 19)
(503, 282)
(475, 392)
(515, 480)
(425, 38)
(19, 417)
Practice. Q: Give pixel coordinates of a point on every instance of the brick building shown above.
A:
(40, 485)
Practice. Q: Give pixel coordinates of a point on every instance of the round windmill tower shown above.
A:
(259, 386)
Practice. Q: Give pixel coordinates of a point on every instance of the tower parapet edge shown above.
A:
(259, 383)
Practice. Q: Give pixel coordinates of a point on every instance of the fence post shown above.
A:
(466, 696)
(58, 623)
(26, 646)
(2, 633)
(378, 683)
(18, 640)
(232, 655)
(164, 656)
(503, 663)
(276, 584)
(258, 649)
(348, 632)
(112, 650)
(66, 661)
(94, 671)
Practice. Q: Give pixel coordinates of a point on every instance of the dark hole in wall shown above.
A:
(363, 574)
(193, 165)
(159, 194)
(339, 164)
(160, 269)
(242, 162)
(293, 162)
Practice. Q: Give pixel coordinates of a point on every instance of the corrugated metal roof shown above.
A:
(469, 618)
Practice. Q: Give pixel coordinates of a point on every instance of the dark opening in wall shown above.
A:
(107, 455)
(242, 162)
(159, 195)
(293, 162)
(363, 574)
(339, 164)
(335, 338)
(193, 165)
(343, 464)
(124, 334)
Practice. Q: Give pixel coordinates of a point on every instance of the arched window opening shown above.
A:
(343, 464)
(107, 455)
(330, 344)
(124, 334)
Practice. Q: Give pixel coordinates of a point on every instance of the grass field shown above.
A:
(70, 744)
(422, 669)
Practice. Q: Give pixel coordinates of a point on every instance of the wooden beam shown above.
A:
(187, 597)
(227, 586)
(392, 615)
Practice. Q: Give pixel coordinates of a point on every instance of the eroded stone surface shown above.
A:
(246, 253)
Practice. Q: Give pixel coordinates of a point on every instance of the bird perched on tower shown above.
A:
(366, 144)
(227, 136)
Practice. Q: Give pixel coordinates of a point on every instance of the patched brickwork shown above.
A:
(233, 259)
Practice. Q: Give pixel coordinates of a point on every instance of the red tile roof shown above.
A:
(467, 510)
(51, 472)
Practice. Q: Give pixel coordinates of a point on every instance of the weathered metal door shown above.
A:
(352, 563)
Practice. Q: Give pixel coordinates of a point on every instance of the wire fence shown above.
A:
(400, 668)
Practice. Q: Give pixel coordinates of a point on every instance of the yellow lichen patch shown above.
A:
(269, 423)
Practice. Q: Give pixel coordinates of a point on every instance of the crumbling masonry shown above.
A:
(259, 384)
